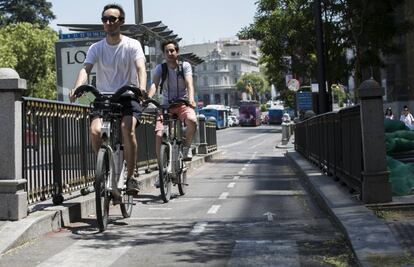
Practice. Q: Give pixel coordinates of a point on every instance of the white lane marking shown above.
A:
(240, 172)
(269, 216)
(80, 253)
(244, 168)
(224, 195)
(231, 185)
(213, 209)
(159, 208)
(198, 228)
(246, 165)
(236, 177)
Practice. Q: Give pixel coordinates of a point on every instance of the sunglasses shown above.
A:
(111, 19)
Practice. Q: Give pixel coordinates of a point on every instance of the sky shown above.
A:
(196, 21)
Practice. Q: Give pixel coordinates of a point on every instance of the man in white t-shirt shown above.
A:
(119, 61)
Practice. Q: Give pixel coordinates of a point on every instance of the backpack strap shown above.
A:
(164, 72)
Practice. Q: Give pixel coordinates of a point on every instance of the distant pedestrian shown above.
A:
(389, 114)
(407, 117)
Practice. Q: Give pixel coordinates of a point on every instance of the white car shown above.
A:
(233, 121)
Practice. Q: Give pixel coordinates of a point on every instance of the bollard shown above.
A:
(13, 198)
(375, 185)
(285, 133)
(202, 147)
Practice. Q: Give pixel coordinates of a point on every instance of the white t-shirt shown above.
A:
(174, 85)
(408, 120)
(115, 64)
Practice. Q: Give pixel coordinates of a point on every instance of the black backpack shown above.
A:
(164, 73)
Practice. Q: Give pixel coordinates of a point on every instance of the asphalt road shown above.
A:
(246, 208)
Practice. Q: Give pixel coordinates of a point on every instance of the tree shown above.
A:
(31, 11)
(33, 56)
(254, 84)
(286, 31)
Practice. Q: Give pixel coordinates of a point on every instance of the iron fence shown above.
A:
(333, 141)
(57, 155)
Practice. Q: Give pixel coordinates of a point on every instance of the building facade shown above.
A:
(225, 61)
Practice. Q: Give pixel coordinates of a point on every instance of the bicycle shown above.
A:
(171, 166)
(110, 181)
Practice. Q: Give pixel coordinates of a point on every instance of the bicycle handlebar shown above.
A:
(90, 88)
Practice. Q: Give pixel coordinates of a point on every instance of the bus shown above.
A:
(219, 112)
(276, 114)
(249, 113)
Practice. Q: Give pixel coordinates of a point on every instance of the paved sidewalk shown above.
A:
(372, 239)
(45, 217)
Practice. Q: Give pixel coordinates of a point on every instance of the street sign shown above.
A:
(81, 35)
(304, 101)
(293, 85)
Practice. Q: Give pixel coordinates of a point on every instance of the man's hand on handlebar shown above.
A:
(192, 103)
(72, 96)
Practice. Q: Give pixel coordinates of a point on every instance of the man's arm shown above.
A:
(190, 87)
(154, 85)
(81, 79)
(142, 73)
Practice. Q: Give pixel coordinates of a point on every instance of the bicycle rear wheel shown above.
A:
(182, 185)
(104, 170)
(164, 177)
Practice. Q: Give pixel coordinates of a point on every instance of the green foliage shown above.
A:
(30, 51)
(286, 30)
(31, 11)
(288, 97)
(254, 84)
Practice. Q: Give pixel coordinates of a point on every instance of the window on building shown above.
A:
(205, 79)
(233, 53)
(204, 66)
(216, 80)
(217, 99)
(234, 67)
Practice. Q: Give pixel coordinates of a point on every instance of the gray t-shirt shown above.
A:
(174, 85)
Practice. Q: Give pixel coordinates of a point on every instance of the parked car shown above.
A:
(233, 121)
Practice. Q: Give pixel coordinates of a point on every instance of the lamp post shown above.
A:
(323, 99)
(138, 12)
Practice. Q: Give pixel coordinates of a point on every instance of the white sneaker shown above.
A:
(188, 155)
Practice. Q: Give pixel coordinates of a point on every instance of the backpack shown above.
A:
(164, 73)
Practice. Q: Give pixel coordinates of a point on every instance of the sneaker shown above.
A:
(133, 186)
(188, 155)
(157, 183)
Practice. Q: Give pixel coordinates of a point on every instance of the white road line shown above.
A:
(244, 168)
(231, 185)
(198, 228)
(240, 172)
(159, 208)
(80, 253)
(236, 177)
(224, 195)
(213, 209)
(246, 165)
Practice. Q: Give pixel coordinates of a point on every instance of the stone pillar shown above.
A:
(13, 198)
(375, 185)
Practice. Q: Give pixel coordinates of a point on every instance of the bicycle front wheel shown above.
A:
(182, 185)
(103, 174)
(164, 177)
(126, 205)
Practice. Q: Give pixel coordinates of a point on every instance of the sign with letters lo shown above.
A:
(70, 55)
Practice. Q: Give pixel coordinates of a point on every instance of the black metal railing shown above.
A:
(333, 141)
(57, 155)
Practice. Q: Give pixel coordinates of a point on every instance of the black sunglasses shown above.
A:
(111, 19)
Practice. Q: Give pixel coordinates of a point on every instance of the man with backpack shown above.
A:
(175, 80)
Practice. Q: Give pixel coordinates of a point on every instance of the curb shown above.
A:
(370, 238)
(49, 218)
